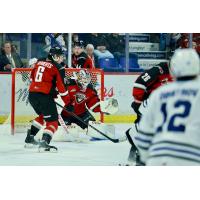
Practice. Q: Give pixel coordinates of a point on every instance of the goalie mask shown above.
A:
(84, 79)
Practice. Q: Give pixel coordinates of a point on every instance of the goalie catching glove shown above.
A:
(109, 106)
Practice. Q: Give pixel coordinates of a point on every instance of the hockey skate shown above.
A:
(30, 142)
(132, 158)
(44, 144)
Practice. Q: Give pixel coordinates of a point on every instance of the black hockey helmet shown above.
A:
(55, 51)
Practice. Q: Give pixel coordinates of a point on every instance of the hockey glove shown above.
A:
(69, 108)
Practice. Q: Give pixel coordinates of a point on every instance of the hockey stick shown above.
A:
(76, 139)
(122, 139)
(62, 123)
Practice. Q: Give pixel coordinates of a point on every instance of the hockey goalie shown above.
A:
(84, 101)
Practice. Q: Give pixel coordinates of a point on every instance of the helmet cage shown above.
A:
(84, 78)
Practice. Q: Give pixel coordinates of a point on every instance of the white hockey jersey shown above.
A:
(170, 125)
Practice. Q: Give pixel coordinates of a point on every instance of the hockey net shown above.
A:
(21, 111)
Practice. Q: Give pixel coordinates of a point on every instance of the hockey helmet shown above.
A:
(83, 78)
(185, 62)
(56, 54)
(55, 51)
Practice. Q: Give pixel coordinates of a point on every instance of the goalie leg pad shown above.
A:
(86, 117)
(109, 130)
(73, 130)
(73, 134)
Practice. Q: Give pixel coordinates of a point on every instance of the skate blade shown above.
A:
(30, 146)
(124, 165)
(46, 150)
(127, 164)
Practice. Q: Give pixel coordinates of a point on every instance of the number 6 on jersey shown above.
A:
(39, 74)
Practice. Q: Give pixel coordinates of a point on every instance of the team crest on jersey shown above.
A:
(80, 97)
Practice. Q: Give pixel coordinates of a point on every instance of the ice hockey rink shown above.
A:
(92, 153)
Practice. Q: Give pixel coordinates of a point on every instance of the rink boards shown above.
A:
(117, 85)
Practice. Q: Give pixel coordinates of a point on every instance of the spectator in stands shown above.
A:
(75, 37)
(101, 45)
(90, 53)
(181, 40)
(79, 58)
(174, 41)
(54, 40)
(116, 45)
(184, 41)
(9, 58)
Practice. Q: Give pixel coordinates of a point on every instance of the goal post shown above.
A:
(21, 111)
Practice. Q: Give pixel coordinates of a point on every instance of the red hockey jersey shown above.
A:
(83, 99)
(82, 61)
(150, 80)
(46, 77)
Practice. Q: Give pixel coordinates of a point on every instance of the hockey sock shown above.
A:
(37, 125)
(34, 130)
(49, 130)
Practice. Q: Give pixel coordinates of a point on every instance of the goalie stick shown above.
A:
(122, 139)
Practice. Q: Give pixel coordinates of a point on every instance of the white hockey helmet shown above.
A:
(84, 78)
(185, 62)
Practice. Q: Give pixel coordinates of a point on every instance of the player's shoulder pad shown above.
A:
(163, 68)
(58, 66)
(148, 76)
(153, 70)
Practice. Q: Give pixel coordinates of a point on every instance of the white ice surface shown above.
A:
(98, 153)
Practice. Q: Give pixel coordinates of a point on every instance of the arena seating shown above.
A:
(110, 65)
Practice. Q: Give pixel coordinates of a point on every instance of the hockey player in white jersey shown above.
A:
(169, 131)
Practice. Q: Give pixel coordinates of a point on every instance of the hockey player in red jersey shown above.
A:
(47, 76)
(83, 96)
(79, 58)
(145, 84)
